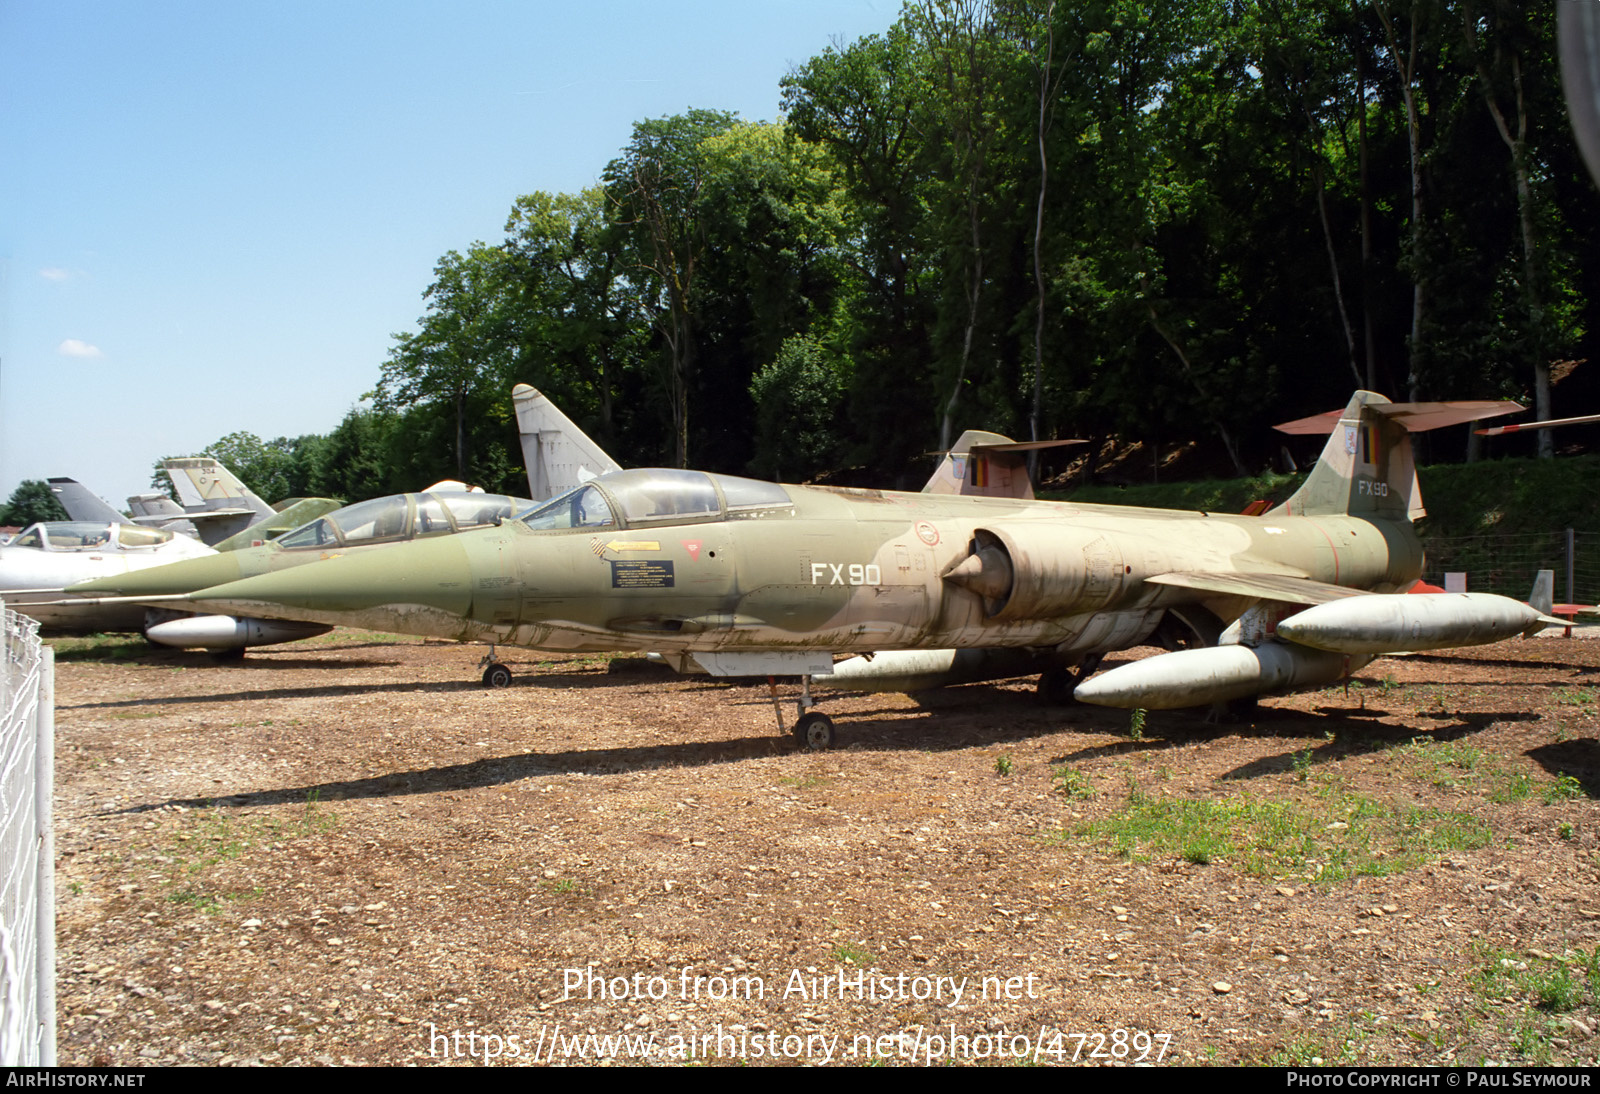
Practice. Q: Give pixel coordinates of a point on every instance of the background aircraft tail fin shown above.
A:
(154, 506)
(204, 484)
(987, 465)
(1542, 598)
(82, 504)
(1366, 468)
(557, 453)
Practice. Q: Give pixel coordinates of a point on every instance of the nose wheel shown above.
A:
(495, 673)
(814, 729)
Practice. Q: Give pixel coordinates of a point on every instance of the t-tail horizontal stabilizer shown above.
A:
(987, 465)
(1366, 467)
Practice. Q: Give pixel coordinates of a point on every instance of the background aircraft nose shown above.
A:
(435, 573)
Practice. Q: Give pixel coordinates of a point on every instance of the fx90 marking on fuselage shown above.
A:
(855, 573)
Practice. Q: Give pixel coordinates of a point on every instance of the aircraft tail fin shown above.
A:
(204, 484)
(82, 504)
(1366, 468)
(1543, 597)
(987, 465)
(154, 507)
(557, 453)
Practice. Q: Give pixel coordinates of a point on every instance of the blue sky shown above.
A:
(213, 216)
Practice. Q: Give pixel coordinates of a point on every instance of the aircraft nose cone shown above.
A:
(172, 579)
(422, 587)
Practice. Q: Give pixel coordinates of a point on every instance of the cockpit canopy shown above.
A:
(84, 535)
(400, 517)
(655, 495)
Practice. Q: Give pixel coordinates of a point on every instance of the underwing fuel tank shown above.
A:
(1192, 678)
(923, 670)
(226, 632)
(1392, 624)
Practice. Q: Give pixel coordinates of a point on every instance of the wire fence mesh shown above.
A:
(1506, 564)
(27, 878)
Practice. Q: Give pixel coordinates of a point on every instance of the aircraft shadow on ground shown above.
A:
(1371, 738)
(1500, 662)
(576, 680)
(885, 728)
(1579, 759)
(494, 771)
(331, 691)
(1368, 735)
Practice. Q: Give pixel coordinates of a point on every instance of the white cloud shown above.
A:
(74, 347)
(55, 273)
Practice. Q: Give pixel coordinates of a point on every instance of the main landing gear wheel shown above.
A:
(814, 730)
(1056, 685)
(497, 676)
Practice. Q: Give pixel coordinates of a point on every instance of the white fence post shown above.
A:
(27, 845)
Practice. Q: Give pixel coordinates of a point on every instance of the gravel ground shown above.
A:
(348, 851)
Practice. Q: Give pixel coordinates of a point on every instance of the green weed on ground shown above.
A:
(1071, 783)
(1466, 766)
(210, 837)
(1530, 1003)
(851, 953)
(1336, 836)
(100, 647)
(1335, 1048)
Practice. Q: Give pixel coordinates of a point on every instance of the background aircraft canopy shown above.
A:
(78, 535)
(652, 495)
(402, 516)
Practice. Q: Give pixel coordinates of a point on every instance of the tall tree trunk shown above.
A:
(1368, 338)
(1046, 94)
(1407, 69)
(1517, 144)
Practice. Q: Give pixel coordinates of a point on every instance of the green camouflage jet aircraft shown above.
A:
(738, 578)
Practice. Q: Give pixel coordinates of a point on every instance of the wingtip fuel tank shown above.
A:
(1191, 678)
(1381, 624)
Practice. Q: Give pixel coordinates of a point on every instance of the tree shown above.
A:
(462, 353)
(655, 188)
(31, 501)
(797, 398)
(577, 314)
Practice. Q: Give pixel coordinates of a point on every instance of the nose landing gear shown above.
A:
(495, 673)
(814, 729)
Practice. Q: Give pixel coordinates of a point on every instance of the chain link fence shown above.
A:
(27, 845)
(1507, 564)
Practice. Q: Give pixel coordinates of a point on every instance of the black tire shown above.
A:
(1055, 687)
(814, 731)
(496, 676)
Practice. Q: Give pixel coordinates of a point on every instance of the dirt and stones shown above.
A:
(349, 851)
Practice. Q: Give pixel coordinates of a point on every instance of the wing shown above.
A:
(1278, 587)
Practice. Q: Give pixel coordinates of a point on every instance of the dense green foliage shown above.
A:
(1497, 497)
(1159, 221)
(31, 501)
